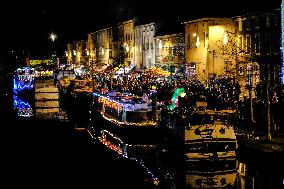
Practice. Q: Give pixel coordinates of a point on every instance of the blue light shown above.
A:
(18, 103)
(21, 85)
(24, 108)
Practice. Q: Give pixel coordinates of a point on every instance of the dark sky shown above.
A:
(28, 24)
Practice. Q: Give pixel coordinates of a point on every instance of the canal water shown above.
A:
(247, 171)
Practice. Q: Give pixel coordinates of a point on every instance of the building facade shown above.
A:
(69, 53)
(91, 50)
(210, 48)
(144, 51)
(169, 49)
(125, 43)
(77, 54)
(258, 42)
(103, 44)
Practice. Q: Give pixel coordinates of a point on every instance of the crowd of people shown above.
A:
(219, 93)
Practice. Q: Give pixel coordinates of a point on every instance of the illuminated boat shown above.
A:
(210, 137)
(126, 119)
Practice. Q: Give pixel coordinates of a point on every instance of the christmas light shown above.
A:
(20, 85)
(24, 108)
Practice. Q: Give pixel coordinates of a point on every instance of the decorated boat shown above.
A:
(127, 119)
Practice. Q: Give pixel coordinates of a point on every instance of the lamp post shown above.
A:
(53, 37)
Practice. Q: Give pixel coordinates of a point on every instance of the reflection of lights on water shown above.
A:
(121, 149)
(153, 177)
(24, 108)
(20, 85)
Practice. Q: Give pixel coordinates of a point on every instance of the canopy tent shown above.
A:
(124, 70)
(158, 71)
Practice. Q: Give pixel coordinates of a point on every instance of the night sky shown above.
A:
(27, 25)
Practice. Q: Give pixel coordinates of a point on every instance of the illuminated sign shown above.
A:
(38, 62)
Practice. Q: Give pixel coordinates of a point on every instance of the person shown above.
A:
(237, 91)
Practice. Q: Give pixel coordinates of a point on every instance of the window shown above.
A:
(274, 41)
(240, 43)
(110, 32)
(146, 45)
(256, 22)
(188, 39)
(267, 20)
(267, 41)
(248, 24)
(241, 70)
(255, 68)
(275, 20)
(248, 44)
(228, 66)
(204, 39)
(143, 43)
(240, 24)
(257, 44)
(194, 40)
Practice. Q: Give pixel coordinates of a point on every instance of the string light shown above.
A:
(122, 107)
(24, 108)
(22, 85)
(122, 150)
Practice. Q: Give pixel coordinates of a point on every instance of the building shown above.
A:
(125, 43)
(103, 46)
(69, 53)
(77, 54)
(210, 48)
(91, 50)
(144, 51)
(258, 43)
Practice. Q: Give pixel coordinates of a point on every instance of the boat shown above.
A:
(128, 120)
(209, 136)
(125, 124)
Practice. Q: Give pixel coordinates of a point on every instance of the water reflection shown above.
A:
(211, 174)
(22, 107)
(23, 90)
(232, 174)
(258, 176)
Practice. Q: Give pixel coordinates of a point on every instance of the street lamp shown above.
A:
(52, 37)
